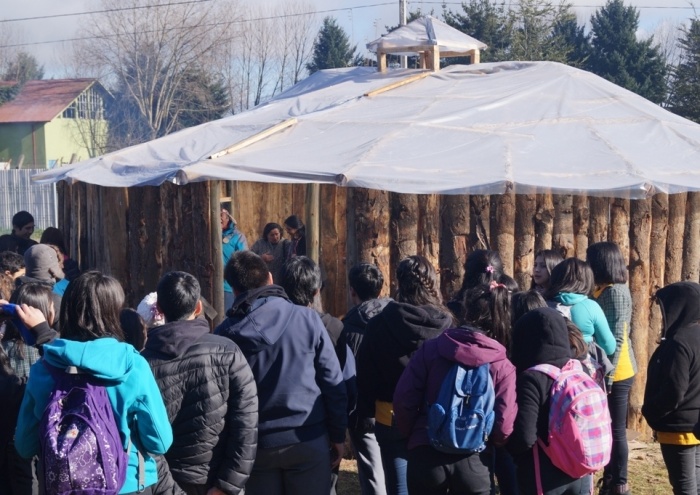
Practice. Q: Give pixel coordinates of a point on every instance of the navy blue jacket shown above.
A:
(301, 393)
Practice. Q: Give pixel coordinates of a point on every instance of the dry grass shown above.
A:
(647, 472)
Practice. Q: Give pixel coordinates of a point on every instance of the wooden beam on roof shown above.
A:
(256, 137)
(397, 84)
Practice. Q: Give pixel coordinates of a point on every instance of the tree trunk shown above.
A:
(145, 253)
(563, 228)
(544, 221)
(454, 242)
(313, 221)
(640, 239)
(114, 227)
(217, 257)
(581, 224)
(333, 238)
(503, 228)
(524, 256)
(657, 254)
(674, 242)
(371, 217)
(620, 226)
(599, 219)
(429, 229)
(691, 249)
(480, 223)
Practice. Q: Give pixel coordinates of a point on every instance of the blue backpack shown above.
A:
(462, 418)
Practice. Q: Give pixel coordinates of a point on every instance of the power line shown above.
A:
(650, 7)
(281, 16)
(105, 11)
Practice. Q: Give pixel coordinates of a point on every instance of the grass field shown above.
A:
(647, 473)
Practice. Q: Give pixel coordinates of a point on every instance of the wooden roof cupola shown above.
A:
(431, 39)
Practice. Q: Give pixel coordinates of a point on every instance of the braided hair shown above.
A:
(418, 284)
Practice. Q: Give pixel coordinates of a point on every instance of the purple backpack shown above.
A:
(81, 448)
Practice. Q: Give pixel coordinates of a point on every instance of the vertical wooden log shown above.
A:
(371, 217)
(333, 255)
(454, 242)
(544, 222)
(674, 241)
(216, 262)
(691, 244)
(563, 226)
(657, 258)
(429, 229)
(480, 223)
(581, 225)
(82, 231)
(525, 211)
(599, 219)
(639, 250)
(313, 220)
(403, 229)
(113, 209)
(620, 226)
(145, 253)
(503, 227)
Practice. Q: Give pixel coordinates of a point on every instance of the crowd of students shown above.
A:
(262, 404)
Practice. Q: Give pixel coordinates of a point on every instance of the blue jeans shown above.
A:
(369, 463)
(394, 458)
(503, 467)
(618, 399)
(683, 466)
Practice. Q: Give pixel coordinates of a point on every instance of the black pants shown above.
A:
(616, 471)
(431, 473)
(683, 466)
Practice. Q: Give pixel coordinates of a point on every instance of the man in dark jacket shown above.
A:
(366, 282)
(300, 384)
(208, 390)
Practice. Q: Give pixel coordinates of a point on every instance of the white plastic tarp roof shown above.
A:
(535, 126)
(426, 31)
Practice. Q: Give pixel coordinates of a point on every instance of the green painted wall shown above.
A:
(16, 140)
(64, 137)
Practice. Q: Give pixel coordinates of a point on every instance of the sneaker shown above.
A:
(621, 489)
(604, 486)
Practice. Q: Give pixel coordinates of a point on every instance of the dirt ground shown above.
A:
(647, 473)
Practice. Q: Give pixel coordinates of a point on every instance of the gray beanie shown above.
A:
(41, 261)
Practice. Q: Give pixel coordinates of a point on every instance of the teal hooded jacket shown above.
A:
(588, 316)
(133, 392)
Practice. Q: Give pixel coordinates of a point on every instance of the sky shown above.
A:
(363, 20)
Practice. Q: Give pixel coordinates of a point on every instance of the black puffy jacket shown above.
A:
(211, 399)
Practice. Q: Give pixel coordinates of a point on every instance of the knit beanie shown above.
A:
(41, 261)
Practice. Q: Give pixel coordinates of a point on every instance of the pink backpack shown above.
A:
(580, 438)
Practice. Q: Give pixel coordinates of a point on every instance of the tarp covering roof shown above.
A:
(479, 129)
(42, 101)
(426, 31)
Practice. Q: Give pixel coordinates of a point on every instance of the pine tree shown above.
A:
(332, 48)
(685, 87)
(489, 23)
(24, 67)
(619, 57)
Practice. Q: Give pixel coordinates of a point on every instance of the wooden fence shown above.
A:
(138, 234)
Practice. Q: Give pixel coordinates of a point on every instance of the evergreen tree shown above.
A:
(332, 48)
(535, 36)
(573, 40)
(619, 57)
(489, 23)
(685, 87)
(23, 68)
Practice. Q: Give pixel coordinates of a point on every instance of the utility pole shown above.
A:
(403, 12)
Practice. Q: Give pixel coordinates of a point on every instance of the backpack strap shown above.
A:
(550, 370)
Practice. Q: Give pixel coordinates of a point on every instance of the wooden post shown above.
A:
(599, 219)
(480, 222)
(454, 242)
(429, 229)
(581, 224)
(639, 243)
(217, 257)
(403, 229)
(691, 244)
(313, 220)
(620, 226)
(145, 247)
(524, 255)
(333, 257)
(371, 236)
(544, 221)
(112, 213)
(657, 255)
(563, 226)
(503, 227)
(674, 242)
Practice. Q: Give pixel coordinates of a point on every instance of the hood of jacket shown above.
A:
(365, 311)
(680, 306)
(173, 339)
(409, 325)
(469, 347)
(105, 358)
(24, 279)
(540, 337)
(569, 298)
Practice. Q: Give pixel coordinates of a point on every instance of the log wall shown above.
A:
(138, 234)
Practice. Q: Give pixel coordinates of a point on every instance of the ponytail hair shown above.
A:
(481, 268)
(487, 307)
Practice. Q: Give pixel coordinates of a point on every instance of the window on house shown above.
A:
(88, 105)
